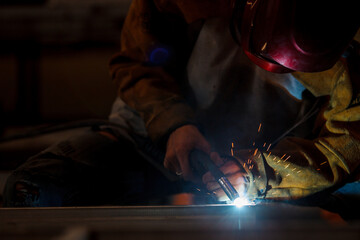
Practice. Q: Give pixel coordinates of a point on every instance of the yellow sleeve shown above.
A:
(298, 168)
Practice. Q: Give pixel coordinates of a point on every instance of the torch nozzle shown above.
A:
(202, 163)
(228, 188)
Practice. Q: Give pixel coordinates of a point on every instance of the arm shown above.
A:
(331, 159)
(153, 84)
(146, 80)
(298, 168)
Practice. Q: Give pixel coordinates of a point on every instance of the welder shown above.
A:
(265, 88)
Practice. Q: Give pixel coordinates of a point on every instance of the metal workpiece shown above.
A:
(263, 221)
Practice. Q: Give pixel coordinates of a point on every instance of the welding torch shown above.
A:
(201, 163)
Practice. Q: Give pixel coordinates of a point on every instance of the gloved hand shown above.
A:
(180, 143)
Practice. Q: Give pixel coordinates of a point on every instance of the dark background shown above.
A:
(54, 58)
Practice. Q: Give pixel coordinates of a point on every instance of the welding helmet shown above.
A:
(294, 35)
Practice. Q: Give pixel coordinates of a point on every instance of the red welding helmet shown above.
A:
(295, 35)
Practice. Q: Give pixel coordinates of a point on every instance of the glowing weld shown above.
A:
(241, 201)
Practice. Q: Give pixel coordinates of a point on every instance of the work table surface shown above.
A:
(268, 221)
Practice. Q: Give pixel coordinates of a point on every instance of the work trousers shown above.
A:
(89, 169)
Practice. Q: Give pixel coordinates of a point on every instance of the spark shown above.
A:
(275, 158)
(264, 144)
(256, 150)
(244, 165)
(299, 171)
(269, 154)
(232, 149)
(293, 169)
(287, 166)
(287, 158)
(253, 143)
(287, 174)
(283, 156)
(264, 46)
(268, 147)
(259, 128)
(323, 163)
(318, 169)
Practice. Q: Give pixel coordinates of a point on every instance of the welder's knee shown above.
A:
(20, 194)
(23, 191)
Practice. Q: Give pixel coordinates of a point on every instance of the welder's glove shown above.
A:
(234, 173)
(181, 142)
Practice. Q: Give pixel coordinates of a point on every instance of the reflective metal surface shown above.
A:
(273, 221)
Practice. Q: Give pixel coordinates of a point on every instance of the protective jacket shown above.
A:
(179, 65)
